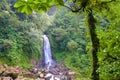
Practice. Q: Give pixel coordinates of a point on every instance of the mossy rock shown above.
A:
(2, 69)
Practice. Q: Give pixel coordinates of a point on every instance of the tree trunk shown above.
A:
(95, 45)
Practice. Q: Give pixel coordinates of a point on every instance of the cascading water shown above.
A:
(47, 56)
(51, 69)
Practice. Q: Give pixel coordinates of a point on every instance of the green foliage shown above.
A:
(59, 56)
(72, 45)
(38, 5)
(68, 41)
(59, 34)
(6, 45)
(81, 64)
(67, 26)
(19, 40)
(67, 34)
(109, 54)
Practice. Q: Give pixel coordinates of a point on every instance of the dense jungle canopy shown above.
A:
(84, 34)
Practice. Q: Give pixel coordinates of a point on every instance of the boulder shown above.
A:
(70, 73)
(9, 71)
(48, 76)
(6, 78)
(5, 65)
(2, 69)
(41, 75)
(29, 75)
(34, 70)
(12, 72)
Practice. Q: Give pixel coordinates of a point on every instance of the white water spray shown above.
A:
(47, 52)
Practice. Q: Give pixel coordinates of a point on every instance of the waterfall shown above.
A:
(47, 56)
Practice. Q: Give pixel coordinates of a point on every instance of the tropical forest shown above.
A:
(59, 39)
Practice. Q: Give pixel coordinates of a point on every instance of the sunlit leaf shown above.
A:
(18, 4)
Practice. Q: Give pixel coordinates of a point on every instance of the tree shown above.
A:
(19, 37)
(87, 6)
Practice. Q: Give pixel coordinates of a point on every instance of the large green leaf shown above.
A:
(40, 5)
(19, 4)
(27, 9)
(24, 7)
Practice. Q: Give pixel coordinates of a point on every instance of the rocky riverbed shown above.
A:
(17, 73)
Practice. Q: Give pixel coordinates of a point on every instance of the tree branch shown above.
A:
(106, 2)
(73, 10)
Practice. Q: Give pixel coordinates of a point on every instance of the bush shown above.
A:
(79, 63)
